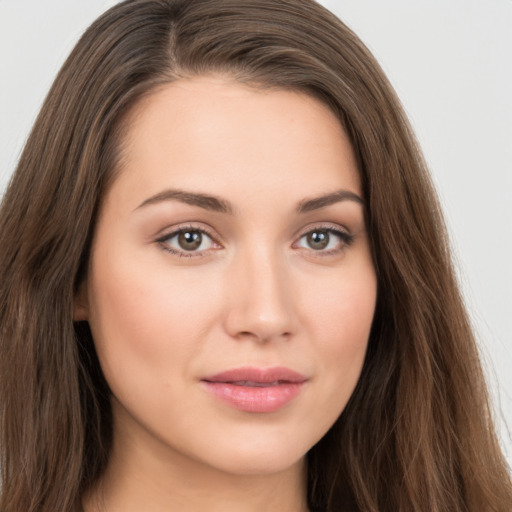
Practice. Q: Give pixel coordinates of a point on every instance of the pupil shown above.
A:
(318, 239)
(190, 240)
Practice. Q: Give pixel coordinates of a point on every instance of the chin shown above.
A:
(260, 455)
(261, 464)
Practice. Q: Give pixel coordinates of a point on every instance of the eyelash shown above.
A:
(346, 239)
(164, 241)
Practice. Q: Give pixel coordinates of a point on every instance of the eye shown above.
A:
(325, 240)
(187, 241)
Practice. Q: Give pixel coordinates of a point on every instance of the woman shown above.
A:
(226, 281)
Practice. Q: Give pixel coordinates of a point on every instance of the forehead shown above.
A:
(209, 131)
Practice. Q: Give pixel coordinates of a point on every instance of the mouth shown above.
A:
(256, 390)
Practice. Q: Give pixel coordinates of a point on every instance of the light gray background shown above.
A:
(451, 63)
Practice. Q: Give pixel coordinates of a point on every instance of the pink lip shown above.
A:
(256, 389)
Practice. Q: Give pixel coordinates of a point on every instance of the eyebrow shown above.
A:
(204, 201)
(316, 203)
(216, 204)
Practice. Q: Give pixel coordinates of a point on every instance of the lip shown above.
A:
(256, 390)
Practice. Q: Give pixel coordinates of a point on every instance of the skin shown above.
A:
(254, 293)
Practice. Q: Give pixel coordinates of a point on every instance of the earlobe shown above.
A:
(81, 303)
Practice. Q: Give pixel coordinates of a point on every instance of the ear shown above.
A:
(81, 303)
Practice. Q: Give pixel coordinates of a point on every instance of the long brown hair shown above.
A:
(417, 434)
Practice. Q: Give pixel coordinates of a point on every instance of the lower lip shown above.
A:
(255, 399)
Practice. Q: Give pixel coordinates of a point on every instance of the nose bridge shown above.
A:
(261, 302)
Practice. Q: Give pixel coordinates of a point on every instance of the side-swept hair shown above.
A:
(417, 434)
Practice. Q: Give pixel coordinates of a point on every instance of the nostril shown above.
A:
(262, 337)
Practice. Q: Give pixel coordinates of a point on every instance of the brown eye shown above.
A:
(318, 239)
(190, 240)
(187, 241)
(325, 240)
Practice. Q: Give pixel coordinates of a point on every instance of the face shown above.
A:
(231, 288)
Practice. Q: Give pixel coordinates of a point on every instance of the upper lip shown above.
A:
(277, 374)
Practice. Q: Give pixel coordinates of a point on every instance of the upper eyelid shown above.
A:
(342, 233)
(200, 226)
(333, 226)
(171, 231)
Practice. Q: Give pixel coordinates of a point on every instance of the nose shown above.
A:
(260, 298)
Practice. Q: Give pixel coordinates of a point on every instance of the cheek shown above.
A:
(341, 308)
(144, 322)
(340, 318)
